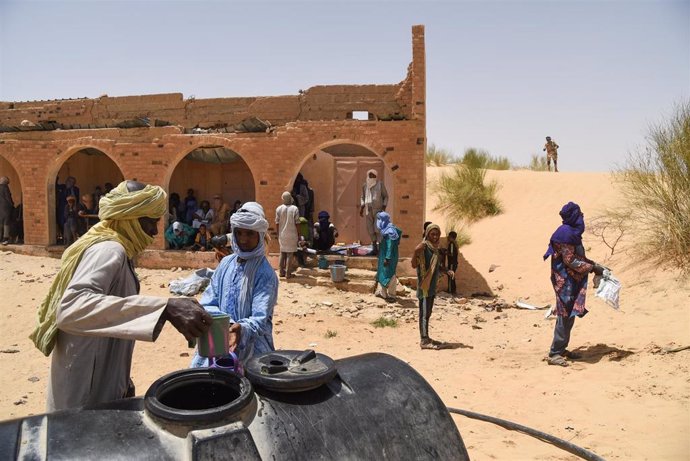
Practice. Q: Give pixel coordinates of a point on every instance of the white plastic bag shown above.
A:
(193, 284)
(609, 289)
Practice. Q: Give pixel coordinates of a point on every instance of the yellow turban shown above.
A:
(119, 212)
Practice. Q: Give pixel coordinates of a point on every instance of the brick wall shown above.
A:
(306, 124)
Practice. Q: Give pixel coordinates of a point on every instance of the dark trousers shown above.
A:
(426, 305)
(561, 335)
(451, 281)
(69, 232)
(300, 258)
(284, 263)
(5, 228)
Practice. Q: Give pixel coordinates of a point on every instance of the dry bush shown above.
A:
(656, 187)
(610, 228)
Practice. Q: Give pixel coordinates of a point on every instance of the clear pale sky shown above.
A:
(500, 75)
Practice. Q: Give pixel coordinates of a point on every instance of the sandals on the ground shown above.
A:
(430, 344)
(557, 360)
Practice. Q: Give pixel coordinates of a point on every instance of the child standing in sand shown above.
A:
(452, 260)
(427, 260)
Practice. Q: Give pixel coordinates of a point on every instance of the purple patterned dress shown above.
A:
(569, 269)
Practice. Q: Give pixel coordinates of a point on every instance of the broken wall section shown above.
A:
(319, 103)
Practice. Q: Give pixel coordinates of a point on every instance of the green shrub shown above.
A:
(478, 158)
(438, 157)
(463, 197)
(538, 163)
(331, 334)
(383, 322)
(656, 187)
(499, 163)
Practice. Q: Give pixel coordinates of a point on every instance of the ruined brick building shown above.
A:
(245, 148)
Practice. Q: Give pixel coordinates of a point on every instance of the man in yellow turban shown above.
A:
(93, 312)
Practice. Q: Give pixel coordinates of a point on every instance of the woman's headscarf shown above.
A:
(251, 217)
(571, 230)
(387, 228)
(119, 212)
(324, 220)
(427, 272)
(287, 198)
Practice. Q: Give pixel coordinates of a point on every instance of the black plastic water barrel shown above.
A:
(293, 405)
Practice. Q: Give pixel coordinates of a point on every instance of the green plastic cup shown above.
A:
(215, 342)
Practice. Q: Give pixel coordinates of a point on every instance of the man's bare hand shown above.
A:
(188, 317)
(386, 262)
(234, 336)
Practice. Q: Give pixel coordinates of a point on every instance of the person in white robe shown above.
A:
(93, 312)
(287, 219)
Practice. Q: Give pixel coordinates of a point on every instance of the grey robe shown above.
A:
(100, 316)
(379, 196)
(379, 200)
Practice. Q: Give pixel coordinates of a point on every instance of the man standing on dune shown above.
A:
(551, 149)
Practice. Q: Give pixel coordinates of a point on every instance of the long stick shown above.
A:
(677, 349)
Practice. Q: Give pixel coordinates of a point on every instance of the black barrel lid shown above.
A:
(290, 371)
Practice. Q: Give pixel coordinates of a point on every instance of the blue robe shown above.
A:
(388, 249)
(221, 296)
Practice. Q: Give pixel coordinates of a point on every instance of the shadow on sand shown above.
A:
(454, 346)
(468, 280)
(593, 354)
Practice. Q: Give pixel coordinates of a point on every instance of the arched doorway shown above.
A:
(93, 172)
(336, 174)
(15, 224)
(211, 171)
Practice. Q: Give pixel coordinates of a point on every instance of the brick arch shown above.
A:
(54, 168)
(70, 150)
(205, 141)
(340, 206)
(310, 150)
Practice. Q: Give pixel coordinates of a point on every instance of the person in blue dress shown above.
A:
(245, 287)
(388, 256)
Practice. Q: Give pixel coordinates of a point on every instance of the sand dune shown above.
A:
(627, 400)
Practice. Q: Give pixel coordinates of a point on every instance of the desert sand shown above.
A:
(628, 399)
